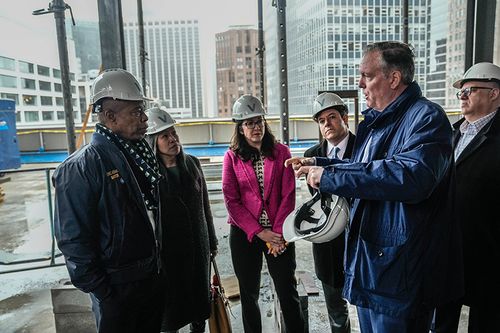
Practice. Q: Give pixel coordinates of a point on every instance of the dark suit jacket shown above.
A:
(329, 256)
(477, 188)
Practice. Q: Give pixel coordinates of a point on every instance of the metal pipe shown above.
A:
(58, 7)
(405, 21)
(51, 218)
(281, 7)
(142, 50)
(260, 53)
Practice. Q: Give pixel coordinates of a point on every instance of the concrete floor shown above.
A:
(25, 301)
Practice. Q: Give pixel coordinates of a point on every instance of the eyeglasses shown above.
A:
(252, 124)
(465, 92)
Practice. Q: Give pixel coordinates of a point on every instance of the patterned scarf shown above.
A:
(143, 157)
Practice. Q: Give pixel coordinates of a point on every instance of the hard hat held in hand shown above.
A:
(158, 120)
(326, 101)
(247, 106)
(319, 220)
(116, 83)
(482, 71)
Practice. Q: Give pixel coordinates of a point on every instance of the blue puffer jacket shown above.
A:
(403, 244)
(101, 222)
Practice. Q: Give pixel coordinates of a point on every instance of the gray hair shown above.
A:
(395, 56)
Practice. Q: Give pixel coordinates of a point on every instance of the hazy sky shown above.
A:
(35, 35)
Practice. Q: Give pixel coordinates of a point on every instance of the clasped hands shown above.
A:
(275, 243)
(305, 166)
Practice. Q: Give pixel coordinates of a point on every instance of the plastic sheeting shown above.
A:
(10, 157)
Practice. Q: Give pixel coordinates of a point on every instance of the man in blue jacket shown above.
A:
(106, 216)
(402, 242)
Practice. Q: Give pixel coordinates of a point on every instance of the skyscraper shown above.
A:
(173, 71)
(237, 66)
(325, 40)
(457, 14)
(87, 45)
(436, 72)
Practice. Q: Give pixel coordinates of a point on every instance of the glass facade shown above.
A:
(325, 41)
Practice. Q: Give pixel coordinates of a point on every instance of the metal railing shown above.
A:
(53, 254)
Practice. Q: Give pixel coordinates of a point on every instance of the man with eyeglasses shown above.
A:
(107, 211)
(477, 160)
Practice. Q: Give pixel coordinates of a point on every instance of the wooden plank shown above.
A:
(307, 280)
(231, 286)
(4, 180)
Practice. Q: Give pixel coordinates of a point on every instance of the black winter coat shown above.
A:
(329, 256)
(101, 222)
(477, 181)
(188, 238)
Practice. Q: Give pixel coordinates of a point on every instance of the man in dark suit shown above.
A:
(477, 159)
(330, 112)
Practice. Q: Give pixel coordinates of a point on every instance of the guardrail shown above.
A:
(53, 254)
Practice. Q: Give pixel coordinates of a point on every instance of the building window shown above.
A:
(59, 101)
(29, 100)
(30, 116)
(60, 115)
(28, 84)
(44, 85)
(56, 73)
(10, 96)
(7, 63)
(46, 100)
(42, 70)
(47, 115)
(26, 67)
(57, 87)
(7, 81)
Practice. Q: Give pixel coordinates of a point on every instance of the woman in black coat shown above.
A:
(188, 234)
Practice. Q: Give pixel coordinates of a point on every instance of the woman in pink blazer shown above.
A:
(259, 193)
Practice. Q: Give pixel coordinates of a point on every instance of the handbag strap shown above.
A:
(216, 271)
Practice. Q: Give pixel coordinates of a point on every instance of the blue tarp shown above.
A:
(9, 148)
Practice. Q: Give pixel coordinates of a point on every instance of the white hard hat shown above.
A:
(327, 100)
(319, 220)
(482, 71)
(158, 120)
(115, 83)
(247, 106)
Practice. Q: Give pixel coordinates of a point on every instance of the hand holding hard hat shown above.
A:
(318, 220)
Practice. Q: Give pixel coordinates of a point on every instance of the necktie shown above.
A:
(336, 152)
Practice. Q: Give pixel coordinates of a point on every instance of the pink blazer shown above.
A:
(242, 195)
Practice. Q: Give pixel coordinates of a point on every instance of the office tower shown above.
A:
(457, 15)
(173, 72)
(87, 45)
(237, 66)
(325, 40)
(436, 72)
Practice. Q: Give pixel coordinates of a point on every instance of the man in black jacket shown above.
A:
(107, 211)
(477, 162)
(330, 112)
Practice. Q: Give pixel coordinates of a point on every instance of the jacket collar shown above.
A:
(374, 118)
(477, 141)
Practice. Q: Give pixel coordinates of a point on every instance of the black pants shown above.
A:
(247, 263)
(338, 311)
(132, 307)
(482, 319)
